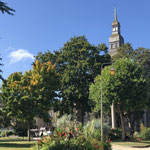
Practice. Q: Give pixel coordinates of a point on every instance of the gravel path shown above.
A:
(118, 147)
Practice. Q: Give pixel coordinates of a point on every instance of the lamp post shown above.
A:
(112, 72)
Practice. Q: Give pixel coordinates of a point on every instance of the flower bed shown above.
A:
(72, 140)
(70, 135)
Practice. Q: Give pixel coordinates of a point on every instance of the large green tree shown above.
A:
(127, 89)
(30, 95)
(78, 62)
(140, 55)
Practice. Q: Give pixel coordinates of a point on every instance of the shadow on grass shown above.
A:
(134, 141)
(12, 140)
(13, 145)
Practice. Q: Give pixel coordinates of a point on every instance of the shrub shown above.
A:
(92, 129)
(136, 135)
(143, 134)
(71, 140)
(70, 135)
(115, 134)
(65, 123)
(6, 133)
(80, 143)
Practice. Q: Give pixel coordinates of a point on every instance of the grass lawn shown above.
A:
(130, 143)
(15, 144)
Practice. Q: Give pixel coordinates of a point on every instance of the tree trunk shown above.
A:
(122, 123)
(82, 117)
(132, 123)
(28, 131)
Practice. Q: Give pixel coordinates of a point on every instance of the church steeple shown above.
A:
(115, 39)
(115, 14)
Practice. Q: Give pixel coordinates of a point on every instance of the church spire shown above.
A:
(115, 39)
(115, 14)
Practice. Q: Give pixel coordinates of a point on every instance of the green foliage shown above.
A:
(44, 84)
(20, 128)
(6, 133)
(140, 55)
(136, 135)
(64, 122)
(95, 94)
(144, 133)
(30, 95)
(4, 120)
(34, 89)
(5, 9)
(124, 51)
(128, 89)
(92, 129)
(115, 134)
(1, 71)
(78, 62)
(73, 140)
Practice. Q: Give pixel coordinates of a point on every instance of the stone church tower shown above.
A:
(115, 40)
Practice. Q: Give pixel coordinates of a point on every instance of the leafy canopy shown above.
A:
(78, 62)
(128, 88)
(32, 94)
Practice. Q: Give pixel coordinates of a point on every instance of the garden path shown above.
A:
(118, 147)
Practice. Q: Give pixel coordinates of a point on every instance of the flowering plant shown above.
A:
(74, 137)
(72, 140)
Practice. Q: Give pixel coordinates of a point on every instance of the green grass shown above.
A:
(15, 144)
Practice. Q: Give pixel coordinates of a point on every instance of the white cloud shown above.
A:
(19, 55)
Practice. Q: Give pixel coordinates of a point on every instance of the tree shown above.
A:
(5, 9)
(1, 72)
(30, 95)
(127, 89)
(78, 62)
(4, 120)
(140, 55)
(125, 50)
(45, 82)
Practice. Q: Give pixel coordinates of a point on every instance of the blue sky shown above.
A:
(40, 25)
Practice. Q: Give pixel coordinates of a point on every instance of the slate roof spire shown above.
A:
(115, 14)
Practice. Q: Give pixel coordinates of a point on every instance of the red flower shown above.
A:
(109, 140)
(77, 128)
(71, 132)
(96, 146)
(59, 133)
(105, 141)
(139, 139)
(39, 140)
(65, 134)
